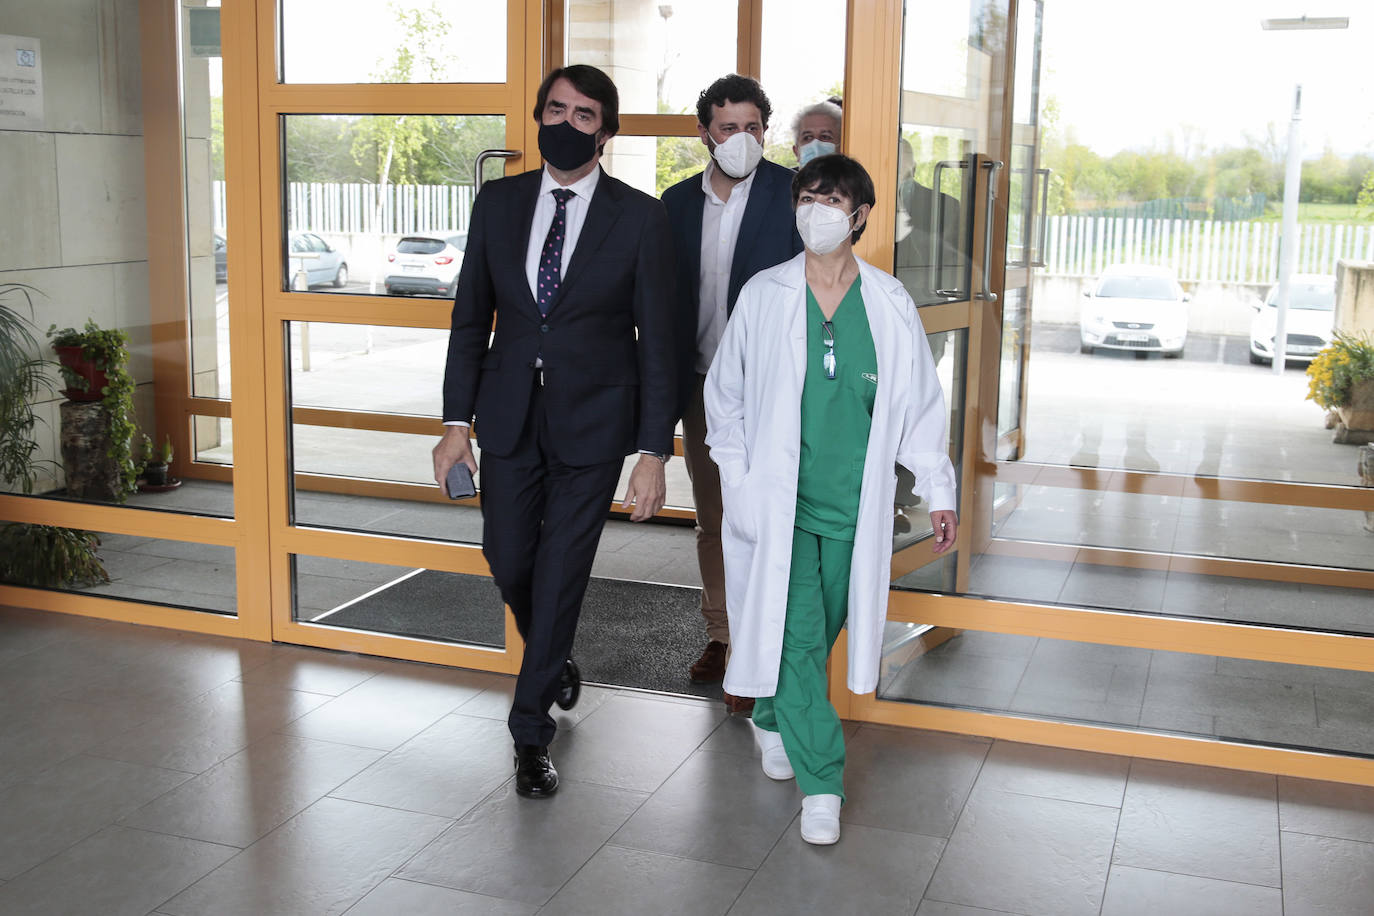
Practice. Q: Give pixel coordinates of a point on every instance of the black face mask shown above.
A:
(565, 147)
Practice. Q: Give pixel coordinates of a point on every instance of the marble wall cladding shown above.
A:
(29, 232)
(73, 225)
(101, 198)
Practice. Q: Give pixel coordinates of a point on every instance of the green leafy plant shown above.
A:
(145, 450)
(50, 557)
(165, 453)
(1331, 376)
(22, 380)
(108, 350)
(41, 555)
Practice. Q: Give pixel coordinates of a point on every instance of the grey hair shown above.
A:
(829, 109)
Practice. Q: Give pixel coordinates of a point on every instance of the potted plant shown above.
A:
(40, 555)
(1341, 379)
(46, 556)
(157, 464)
(22, 380)
(95, 360)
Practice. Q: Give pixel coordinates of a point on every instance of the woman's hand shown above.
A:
(945, 524)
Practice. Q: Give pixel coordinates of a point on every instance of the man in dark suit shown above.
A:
(576, 268)
(729, 222)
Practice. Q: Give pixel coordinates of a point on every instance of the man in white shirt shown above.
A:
(729, 222)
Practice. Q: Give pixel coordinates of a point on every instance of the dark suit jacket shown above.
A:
(767, 236)
(606, 342)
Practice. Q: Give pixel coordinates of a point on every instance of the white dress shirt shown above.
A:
(544, 208)
(720, 222)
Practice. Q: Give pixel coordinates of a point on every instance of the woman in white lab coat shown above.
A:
(822, 384)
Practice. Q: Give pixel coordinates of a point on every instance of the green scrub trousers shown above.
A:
(836, 415)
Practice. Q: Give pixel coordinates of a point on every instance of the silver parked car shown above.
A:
(425, 263)
(1311, 311)
(321, 262)
(1136, 307)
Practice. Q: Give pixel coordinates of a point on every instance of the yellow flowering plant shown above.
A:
(1348, 359)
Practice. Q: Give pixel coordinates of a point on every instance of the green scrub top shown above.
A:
(835, 418)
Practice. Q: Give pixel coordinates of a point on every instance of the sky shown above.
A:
(1125, 76)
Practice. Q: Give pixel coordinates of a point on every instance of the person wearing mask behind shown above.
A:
(728, 222)
(823, 381)
(816, 131)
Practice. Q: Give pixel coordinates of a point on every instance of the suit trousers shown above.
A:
(705, 479)
(541, 522)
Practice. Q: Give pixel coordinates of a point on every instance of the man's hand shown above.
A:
(452, 448)
(647, 489)
(946, 526)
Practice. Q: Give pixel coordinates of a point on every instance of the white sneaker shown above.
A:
(775, 762)
(820, 819)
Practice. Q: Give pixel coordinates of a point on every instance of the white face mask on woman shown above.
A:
(738, 155)
(822, 228)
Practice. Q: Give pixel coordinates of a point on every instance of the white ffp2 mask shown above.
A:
(822, 228)
(738, 155)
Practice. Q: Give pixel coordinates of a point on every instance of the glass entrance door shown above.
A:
(376, 129)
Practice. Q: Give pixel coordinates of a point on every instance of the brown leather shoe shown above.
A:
(710, 668)
(738, 704)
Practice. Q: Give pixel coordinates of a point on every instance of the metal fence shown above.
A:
(353, 208)
(1207, 251)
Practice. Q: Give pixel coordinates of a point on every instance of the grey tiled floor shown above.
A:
(151, 772)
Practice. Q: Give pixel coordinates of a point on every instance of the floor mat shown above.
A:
(631, 634)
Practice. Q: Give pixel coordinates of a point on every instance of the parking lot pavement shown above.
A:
(1208, 348)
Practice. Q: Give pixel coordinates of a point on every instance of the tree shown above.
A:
(1365, 199)
(390, 144)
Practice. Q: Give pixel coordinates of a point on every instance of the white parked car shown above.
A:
(1311, 312)
(425, 263)
(322, 262)
(1135, 307)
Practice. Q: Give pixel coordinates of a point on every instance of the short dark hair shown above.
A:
(836, 172)
(732, 88)
(592, 83)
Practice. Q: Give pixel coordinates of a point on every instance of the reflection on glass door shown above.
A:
(951, 99)
(953, 73)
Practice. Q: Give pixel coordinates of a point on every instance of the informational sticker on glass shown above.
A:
(21, 83)
(204, 31)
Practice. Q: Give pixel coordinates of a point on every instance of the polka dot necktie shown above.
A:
(551, 258)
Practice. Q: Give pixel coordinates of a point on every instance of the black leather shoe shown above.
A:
(569, 685)
(535, 776)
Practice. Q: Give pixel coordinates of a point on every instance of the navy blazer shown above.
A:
(610, 373)
(767, 236)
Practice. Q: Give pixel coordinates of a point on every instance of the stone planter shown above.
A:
(1356, 424)
(85, 439)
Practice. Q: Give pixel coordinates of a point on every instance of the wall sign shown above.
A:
(21, 83)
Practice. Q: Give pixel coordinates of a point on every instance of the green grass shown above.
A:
(1317, 213)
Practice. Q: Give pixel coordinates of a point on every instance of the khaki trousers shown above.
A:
(706, 495)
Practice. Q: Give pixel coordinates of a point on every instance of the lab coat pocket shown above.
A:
(739, 509)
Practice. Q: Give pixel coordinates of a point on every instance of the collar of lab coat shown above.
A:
(881, 291)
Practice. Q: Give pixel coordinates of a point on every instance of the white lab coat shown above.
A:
(753, 396)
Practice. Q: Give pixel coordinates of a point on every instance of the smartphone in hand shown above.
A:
(459, 482)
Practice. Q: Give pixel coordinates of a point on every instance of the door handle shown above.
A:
(481, 160)
(1042, 220)
(984, 293)
(937, 228)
